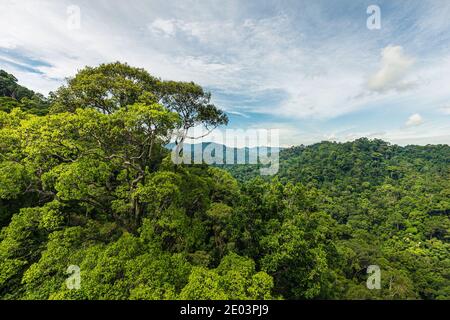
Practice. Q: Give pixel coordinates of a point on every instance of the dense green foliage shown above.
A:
(13, 95)
(91, 184)
(390, 206)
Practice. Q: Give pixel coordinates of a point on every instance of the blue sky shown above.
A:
(309, 68)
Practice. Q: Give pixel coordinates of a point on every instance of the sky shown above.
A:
(312, 69)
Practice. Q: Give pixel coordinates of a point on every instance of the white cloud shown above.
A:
(414, 120)
(237, 113)
(164, 27)
(394, 67)
(7, 43)
(445, 110)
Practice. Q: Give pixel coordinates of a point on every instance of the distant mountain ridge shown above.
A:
(198, 150)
